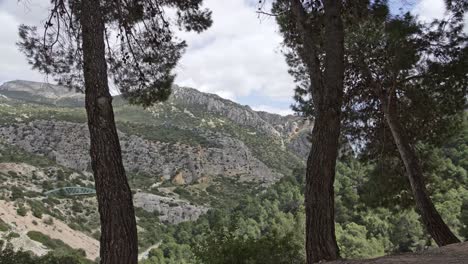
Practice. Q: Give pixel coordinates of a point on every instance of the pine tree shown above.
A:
(407, 69)
(78, 49)
(313, 33)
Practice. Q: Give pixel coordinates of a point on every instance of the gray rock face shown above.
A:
(291, 130)
(68, 143)
(43, 89)
(170, 210)
(271, 124)
(242, 115)
(226, 154)
(295, 130)
(42, 92)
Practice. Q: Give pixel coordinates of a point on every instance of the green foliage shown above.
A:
(21, 210)
(37, 213)
(408, 234)
(268, 226)
(183, 193)
(227, 248)
(464, 219)
(261, 228)
(354, 242)
(16, 193)
(37, 208)
(58, 246)
(152, 229)
(13, 235)
(9, 256)
(3, 226)
(165, 133)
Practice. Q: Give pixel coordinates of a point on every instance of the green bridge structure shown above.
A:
(71, 191)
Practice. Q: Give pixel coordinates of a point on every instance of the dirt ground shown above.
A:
(57, 230)
(451, 254)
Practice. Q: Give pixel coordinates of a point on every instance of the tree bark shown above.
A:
(118, 224)
(431, 218)
(327, 93)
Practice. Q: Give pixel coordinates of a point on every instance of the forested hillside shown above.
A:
(251, 210)
(374, 212)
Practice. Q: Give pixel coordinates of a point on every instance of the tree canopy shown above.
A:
(141, 45)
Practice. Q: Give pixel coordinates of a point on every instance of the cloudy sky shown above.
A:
(238, 58)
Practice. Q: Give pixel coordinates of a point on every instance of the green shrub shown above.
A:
(22, 211)
(13, 174)
(3, 226)
(51, 201)
(13, 235)
(16, 193)
(46, 240)
(182, 192)
(37, 212)
(77, 207)
(32, 194)
(9, 256)
(96, 235)
(59, 247)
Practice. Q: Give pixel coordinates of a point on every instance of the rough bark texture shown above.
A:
(118, 225)
(431, 218)
(327, 93)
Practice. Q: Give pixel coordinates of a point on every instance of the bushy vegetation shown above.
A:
(21, 210)
(165, 133)
(3, 226)
(13, 154)
(9, 256)
(58, 246)
(373, 215)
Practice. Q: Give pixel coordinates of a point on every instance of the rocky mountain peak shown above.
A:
(46, 90)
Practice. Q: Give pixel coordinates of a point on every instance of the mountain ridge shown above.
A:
(276, 126)
(192, 153)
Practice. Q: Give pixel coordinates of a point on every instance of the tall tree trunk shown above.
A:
(118, 225)
(431, 218)
(319, 195)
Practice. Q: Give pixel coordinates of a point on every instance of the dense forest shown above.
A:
(375, 214)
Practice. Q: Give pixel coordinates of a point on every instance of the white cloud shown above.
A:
(236, 58)
(13, 64)
(428, 10)
(271, 109)
(239, 54)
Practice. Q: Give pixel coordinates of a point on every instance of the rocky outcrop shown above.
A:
(242, 115)
(170, 210)
(67, 144)
(42, 93)
(290, 131)
(43, 89)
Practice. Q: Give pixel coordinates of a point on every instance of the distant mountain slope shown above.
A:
(194, 152)
(194, 139)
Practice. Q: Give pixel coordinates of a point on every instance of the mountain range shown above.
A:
(193, 152)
